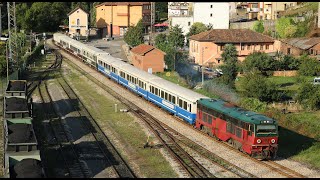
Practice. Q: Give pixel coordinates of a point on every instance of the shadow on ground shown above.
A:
(292, 143)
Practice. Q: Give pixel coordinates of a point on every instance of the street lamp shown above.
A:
(203, 48)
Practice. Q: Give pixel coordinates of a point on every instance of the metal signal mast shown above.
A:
(12, 29)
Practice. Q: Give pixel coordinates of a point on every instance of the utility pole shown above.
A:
(202, 67)
(152, 16)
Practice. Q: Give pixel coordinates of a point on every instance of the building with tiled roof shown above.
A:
(78, 22)
(299, 46)
(206, 47)
(148, 58)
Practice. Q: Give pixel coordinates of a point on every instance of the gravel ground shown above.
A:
(251, 166)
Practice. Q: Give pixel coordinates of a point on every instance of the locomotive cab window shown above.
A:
(266, 129)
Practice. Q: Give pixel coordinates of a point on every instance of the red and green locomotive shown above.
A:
(250, 132)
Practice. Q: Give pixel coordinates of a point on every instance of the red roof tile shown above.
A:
(231, 36)
(142, 49)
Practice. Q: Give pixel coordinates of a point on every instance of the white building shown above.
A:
(215, 13)
(184, 22)
(179, 9)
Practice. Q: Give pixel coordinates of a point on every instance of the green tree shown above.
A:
(308, 95)
(3, 65)
(134, 36)
(286, 27)
(196, 28)
(258, 26)
(260, 61)
(93, 14)
(288, 62)
(309, 66)
(162, 43)
(84, 5)
(161, 10)
(21, 10)
(230, 67)
(176, 37)
(256, 85)
(45, 16)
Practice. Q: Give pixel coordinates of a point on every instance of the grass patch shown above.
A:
(173, 77)
(102, 109)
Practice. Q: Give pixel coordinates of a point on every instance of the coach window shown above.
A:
(173, 99)
(156, 91)
(180, 103)
(165, 95)
(162, 94)
(185, 105)
(169, 98)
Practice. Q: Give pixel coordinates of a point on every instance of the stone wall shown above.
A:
(268, 25)
(285, 73)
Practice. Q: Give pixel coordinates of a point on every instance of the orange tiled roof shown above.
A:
(142, 49)
(231, 36)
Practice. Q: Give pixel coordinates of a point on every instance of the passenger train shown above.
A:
(251, 133)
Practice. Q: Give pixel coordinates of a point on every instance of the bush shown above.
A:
(253, 104)
(260, 61)
(308, 95)
(309, 66)
(256, 85)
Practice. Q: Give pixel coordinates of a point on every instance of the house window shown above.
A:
(267, 46)
(78, 22)
(189, 23)
(77, 11)
(311, 51)
(248, 47)
(242, 47)
(261, 47)
(221, 47)
(211, 15)
(211, 6)
(218, 61)
(288, 51)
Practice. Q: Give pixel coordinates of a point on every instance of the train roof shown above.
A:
(235, 111)
(176, 89)
(93, 49)
(139, 73)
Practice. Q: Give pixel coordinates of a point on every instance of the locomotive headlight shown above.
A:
(258, 141)
(273, 141)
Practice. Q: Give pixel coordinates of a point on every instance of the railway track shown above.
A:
(120, 167)
(287, 172)
(169, 138)
(73, 167)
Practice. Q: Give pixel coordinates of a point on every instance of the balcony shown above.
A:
(250, 10)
